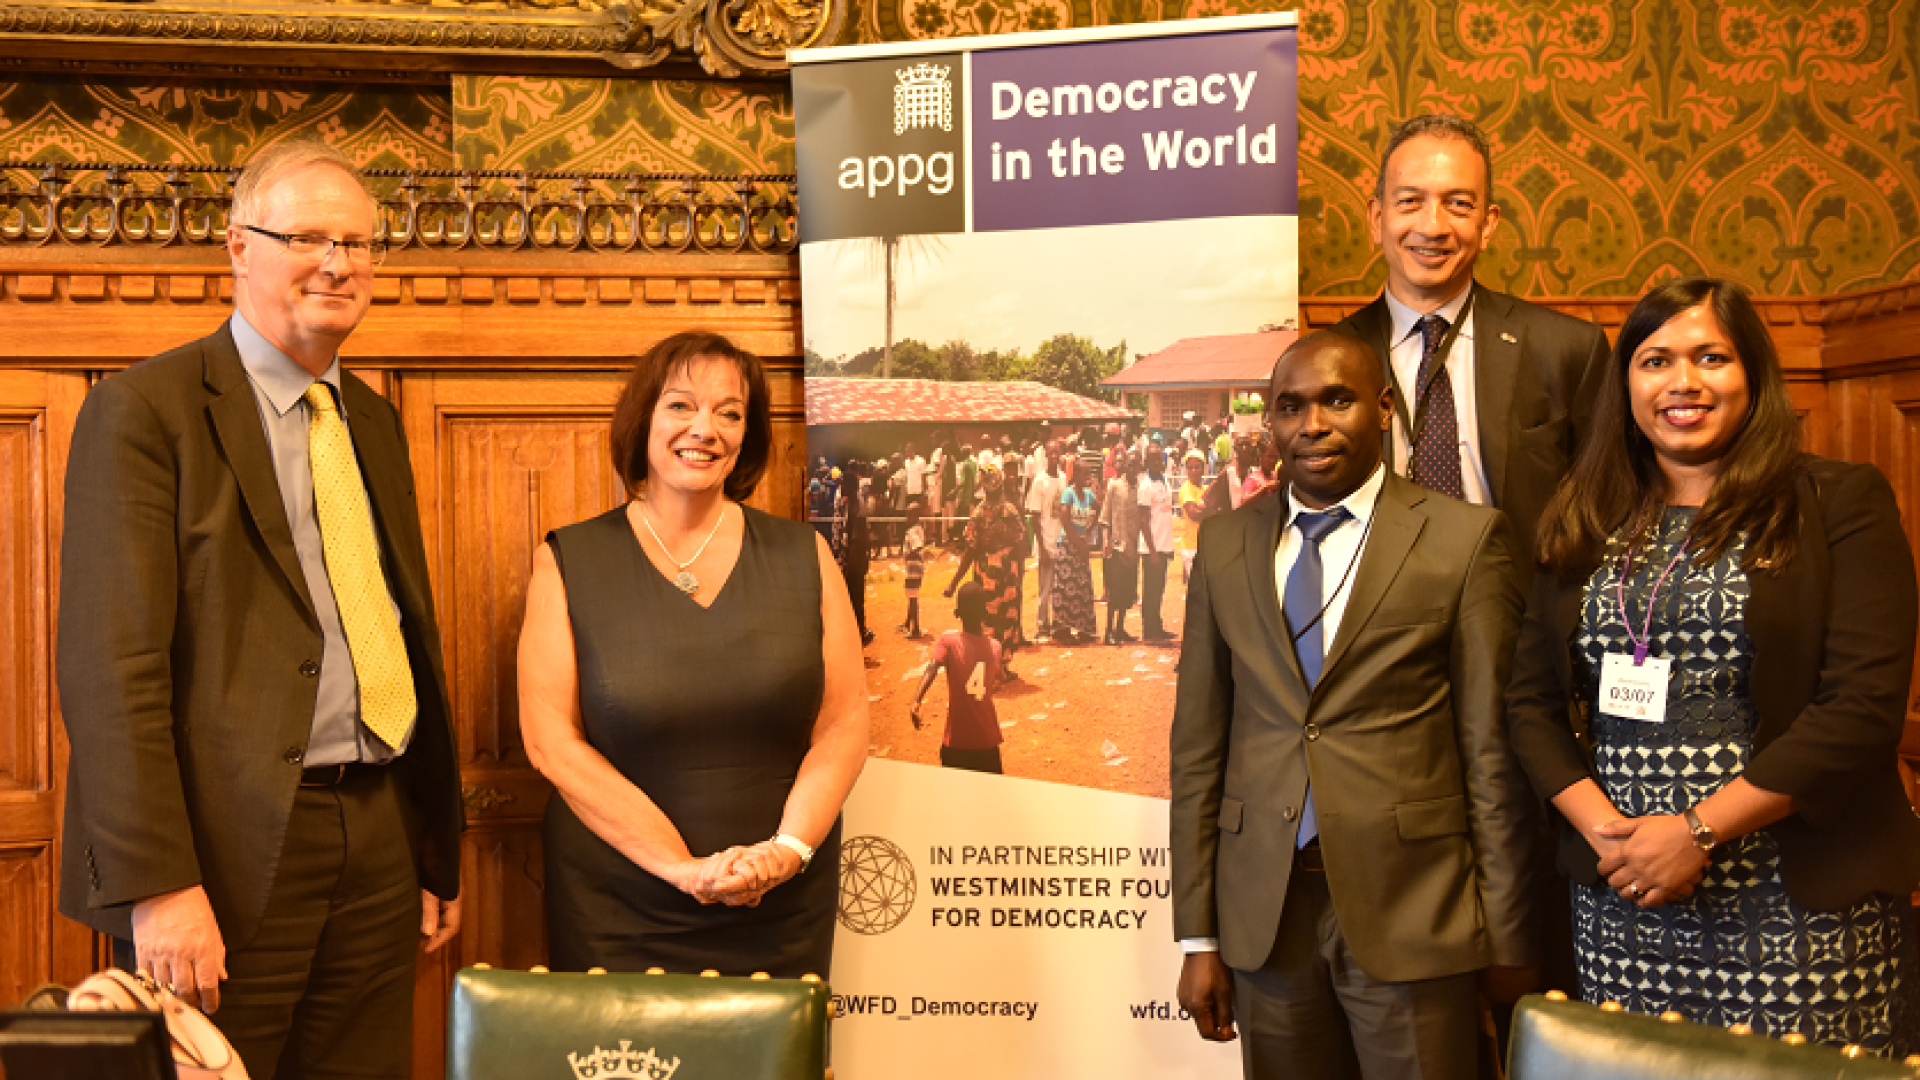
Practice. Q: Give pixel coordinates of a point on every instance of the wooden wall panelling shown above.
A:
(37, 412)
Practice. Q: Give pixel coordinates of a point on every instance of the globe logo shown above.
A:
(877, 885)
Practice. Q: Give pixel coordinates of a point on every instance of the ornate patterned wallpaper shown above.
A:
(636, 125)
(206, 122)
(1776, 141)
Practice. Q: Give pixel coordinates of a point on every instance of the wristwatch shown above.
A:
(1702, 832)
(799, 847)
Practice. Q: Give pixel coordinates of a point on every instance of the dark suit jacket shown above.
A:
(1833, 640)
(188, 648)
(1420, 801)
(1536, 372)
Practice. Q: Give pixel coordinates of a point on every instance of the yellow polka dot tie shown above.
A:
(387, 703)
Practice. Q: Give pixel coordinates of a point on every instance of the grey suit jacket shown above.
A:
(188, 648)
(1536, 372)
(1422, 806)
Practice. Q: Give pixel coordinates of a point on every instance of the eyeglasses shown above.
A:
(320, 248)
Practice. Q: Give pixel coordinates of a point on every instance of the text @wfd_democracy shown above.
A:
(888, 1005)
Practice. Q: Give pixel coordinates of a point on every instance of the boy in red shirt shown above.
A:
(972, 661)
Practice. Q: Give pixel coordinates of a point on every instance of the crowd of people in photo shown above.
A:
(1131, 498)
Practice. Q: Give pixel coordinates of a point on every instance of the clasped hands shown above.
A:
(739, 876)
(1649, 860)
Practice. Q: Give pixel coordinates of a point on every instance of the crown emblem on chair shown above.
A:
(625, 1063)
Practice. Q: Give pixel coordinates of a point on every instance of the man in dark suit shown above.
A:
(1510, 384)
(1492, 393)
(263, 790)
(1348, 832)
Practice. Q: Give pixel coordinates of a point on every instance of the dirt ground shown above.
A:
(1089, 715)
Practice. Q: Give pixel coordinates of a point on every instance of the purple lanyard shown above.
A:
(1641, 643)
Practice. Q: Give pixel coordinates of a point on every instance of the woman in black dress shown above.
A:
(691, 683)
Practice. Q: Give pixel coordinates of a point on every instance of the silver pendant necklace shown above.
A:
(684, 580)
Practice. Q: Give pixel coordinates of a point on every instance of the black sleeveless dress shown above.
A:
(709, 711)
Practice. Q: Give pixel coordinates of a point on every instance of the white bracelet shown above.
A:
(798, 847)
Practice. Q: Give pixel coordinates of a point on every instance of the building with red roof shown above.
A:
(870, 418)
(1202, 375)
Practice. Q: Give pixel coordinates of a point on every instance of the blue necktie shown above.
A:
(1303, 604)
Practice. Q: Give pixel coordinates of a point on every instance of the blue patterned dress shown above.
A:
(1739, 950)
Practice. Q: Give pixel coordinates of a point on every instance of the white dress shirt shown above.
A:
(1339, 557)
(1405, 358)
(1339, 553)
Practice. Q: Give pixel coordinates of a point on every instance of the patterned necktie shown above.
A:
(1304, 604)
(1435, 462)
(380, 666)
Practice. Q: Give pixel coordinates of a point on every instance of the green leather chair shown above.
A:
(1557, 1039)
(512, 1025)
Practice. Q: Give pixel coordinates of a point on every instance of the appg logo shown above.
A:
(877, 885)
(884, 152)
(922, 98)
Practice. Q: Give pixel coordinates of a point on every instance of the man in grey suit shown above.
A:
(1492, 393)
(263, 796)
(1348, 822)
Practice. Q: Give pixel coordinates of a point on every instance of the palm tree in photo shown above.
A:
(888, 251)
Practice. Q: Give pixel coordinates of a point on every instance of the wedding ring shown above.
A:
(1634, 888)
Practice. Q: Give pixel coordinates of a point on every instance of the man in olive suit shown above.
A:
(1348, 821)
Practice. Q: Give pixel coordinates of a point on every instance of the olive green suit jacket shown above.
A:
(189, 650)
(1422, 808)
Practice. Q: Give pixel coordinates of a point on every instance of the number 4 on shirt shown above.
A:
(977, 682)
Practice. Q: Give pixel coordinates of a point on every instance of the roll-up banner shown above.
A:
(1044, 279)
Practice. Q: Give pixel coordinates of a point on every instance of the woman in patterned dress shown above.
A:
(1073, 559)
(1732, 623)
(996, 552)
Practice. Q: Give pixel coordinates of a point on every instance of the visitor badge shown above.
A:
(1634, 691)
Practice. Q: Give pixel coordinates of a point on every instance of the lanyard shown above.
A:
(1416, 423)
(1641, 643)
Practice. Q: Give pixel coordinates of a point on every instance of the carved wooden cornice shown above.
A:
(725, 37)
(423, 317)
(105, 205)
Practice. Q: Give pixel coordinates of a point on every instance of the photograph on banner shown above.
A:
(1043, 290)
(1043, 277)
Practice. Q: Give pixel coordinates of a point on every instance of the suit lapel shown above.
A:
(235, 413)
(1262, 540)
(1396, 526)
(1375, 325)
(1498, 342)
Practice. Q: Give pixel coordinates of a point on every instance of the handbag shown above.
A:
(200, 1052)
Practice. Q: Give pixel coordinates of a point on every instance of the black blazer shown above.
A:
(188, 646)
(1833, 637)
(1536, 372)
